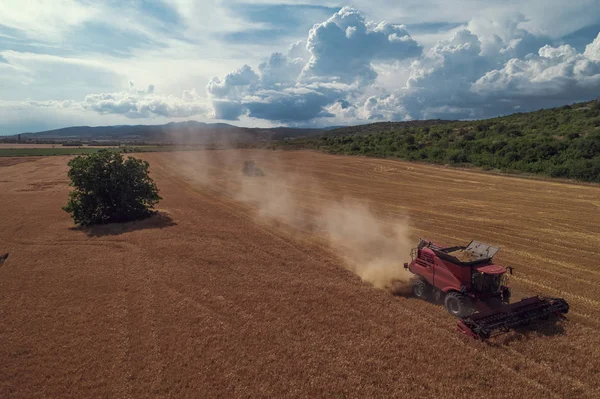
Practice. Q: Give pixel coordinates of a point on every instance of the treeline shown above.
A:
(561, 142)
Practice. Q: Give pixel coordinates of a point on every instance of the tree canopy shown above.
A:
(109, 188)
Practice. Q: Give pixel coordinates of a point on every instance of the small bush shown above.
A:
(110, 189)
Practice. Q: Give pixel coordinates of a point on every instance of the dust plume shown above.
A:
(272, 198)
(375, 250)
(372, 248)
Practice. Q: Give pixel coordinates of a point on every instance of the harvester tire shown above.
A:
(458, 305)
(438, 295)
(421, 289)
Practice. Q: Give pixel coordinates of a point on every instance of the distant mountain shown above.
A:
(189, 132)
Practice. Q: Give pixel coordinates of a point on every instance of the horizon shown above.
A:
(278, 64)
(163, 124)
(288, 127)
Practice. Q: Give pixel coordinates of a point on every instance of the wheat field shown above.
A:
(278, 286)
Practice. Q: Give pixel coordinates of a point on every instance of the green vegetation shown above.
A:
(109, 188)
(41, 152)
(561, 142)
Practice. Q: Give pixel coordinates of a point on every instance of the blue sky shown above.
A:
(296, 63)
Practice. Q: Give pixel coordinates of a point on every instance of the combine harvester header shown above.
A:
(522, 313)
(475, 289)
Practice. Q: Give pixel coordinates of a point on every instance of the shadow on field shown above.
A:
(159, 220)
(546, 329)
(400, 288)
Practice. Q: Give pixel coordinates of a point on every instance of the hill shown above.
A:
(559, 142)
(190, 132)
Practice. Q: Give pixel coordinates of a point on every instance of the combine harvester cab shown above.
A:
(475, 289)
(250, 169)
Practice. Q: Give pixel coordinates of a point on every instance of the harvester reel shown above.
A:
(528, 311)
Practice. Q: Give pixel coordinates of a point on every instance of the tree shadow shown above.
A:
(159, 220)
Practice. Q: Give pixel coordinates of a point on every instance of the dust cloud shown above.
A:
(374, 248)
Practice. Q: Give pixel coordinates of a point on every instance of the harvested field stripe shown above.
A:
(229, 303)
(546, 287)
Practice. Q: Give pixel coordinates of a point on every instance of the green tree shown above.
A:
(109, 188)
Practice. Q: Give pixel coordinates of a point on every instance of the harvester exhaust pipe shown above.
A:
(483, 325)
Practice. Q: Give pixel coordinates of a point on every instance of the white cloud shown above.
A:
(144, 103)
(46, 115)
(298, 51)
(132, 103)
(504, 36)
(344, 47)
(553, 72)
(449, 65)
(280, 70)
(465, 59)
(235, 84)
(460, 77)
(46, 20)
(592, 50)
(299, 86)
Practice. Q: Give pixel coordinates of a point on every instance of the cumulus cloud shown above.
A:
(484, 68)
(553, 72)
(504, 38)
(334, 62)
(294, 105)
(344, 47)
(467, 76)
(132, 103)
(235, 84)
(346, 69)
(144, 103)
(450, 64)
(592, 50)
(280, 70)
(298, 51)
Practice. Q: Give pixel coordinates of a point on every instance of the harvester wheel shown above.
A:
(438, 294)
(458, 305)
(421, 289)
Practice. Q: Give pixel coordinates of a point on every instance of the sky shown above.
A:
(289, 62)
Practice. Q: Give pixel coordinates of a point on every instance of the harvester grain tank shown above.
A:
(475, 289)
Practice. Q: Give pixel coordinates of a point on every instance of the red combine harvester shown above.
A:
(476, 290)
